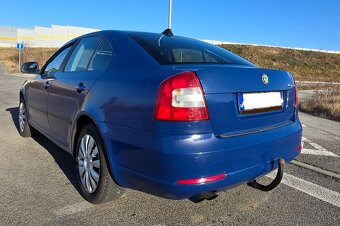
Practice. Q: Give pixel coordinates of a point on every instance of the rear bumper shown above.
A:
(153, 163)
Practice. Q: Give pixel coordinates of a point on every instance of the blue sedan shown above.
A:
(167, 115)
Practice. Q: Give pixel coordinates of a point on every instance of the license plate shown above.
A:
(260, 101)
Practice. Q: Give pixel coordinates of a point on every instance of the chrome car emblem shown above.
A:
(265, 79)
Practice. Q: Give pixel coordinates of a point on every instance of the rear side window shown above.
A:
(180, 50)
(82, 54)
(187, 55)
(101, 57)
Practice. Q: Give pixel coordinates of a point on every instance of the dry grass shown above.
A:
(9, 56)
(302, 86)
(325, 104)
(305, 65)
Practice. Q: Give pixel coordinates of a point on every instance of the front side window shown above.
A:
(53, 66)
(80, 58)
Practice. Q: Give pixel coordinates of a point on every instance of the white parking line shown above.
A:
(309, 188)
(72, 209)
(319, 150)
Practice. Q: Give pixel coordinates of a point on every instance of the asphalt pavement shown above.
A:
(37, 185)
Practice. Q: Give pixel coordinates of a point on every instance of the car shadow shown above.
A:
(14, 113)
(64, 160)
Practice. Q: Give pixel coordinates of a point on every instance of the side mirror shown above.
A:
(30, 68)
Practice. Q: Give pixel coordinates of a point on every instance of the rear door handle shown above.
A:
(80, 87)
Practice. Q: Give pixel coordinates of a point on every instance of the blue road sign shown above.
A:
(20, 45)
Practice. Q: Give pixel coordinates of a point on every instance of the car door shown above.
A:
(37, 93)
(71, 85)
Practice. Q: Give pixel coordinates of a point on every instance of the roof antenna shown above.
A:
(168, 31)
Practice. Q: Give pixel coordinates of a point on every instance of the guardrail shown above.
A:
(318, 83)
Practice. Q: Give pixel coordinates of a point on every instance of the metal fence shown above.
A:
(54, 36)
(214, 42)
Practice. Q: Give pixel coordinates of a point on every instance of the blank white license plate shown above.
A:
(253, 101)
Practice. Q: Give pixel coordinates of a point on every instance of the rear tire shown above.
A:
(95, 182)
(25, 129)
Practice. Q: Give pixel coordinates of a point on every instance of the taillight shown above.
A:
(295, 96)
(180, 98)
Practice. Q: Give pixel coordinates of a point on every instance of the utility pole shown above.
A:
(20, 46)
(170, 14)
(19, 59)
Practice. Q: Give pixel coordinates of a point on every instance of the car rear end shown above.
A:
(217, 126)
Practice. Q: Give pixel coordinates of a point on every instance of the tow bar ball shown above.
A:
(274, 183)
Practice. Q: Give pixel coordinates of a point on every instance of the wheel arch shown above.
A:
(21, 95)
(81, 121)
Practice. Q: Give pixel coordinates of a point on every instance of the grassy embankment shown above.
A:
(9, 57)
(305, 66)
(325, 104)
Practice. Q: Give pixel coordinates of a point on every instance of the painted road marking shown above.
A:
(309, 188)
(319, 150)
(316, 169)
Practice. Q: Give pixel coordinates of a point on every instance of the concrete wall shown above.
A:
(8, 36)
(54, 36)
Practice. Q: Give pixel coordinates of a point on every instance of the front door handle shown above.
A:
(47, 84)
(80, 87)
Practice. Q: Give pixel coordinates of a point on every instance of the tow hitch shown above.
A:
(274, 183)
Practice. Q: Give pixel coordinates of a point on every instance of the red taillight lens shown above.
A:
(296, 97)
(202, 180)
(180, 98)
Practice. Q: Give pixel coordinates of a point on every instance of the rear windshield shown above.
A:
(180, 50)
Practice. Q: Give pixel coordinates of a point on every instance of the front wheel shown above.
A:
(24, 128)
(96, 183)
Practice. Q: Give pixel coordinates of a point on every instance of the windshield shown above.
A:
(180, 50)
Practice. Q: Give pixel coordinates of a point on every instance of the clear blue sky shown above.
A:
(292, 23)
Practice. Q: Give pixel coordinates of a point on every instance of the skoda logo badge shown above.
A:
(265, 79)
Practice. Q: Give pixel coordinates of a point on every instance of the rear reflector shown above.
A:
(180, 98)
(202, 180)
(299, 148)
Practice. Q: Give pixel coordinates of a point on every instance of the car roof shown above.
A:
(113, 32)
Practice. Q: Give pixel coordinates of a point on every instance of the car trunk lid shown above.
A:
(225, 86)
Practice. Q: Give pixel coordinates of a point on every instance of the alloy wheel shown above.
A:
(22, 116)
(89, 163)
